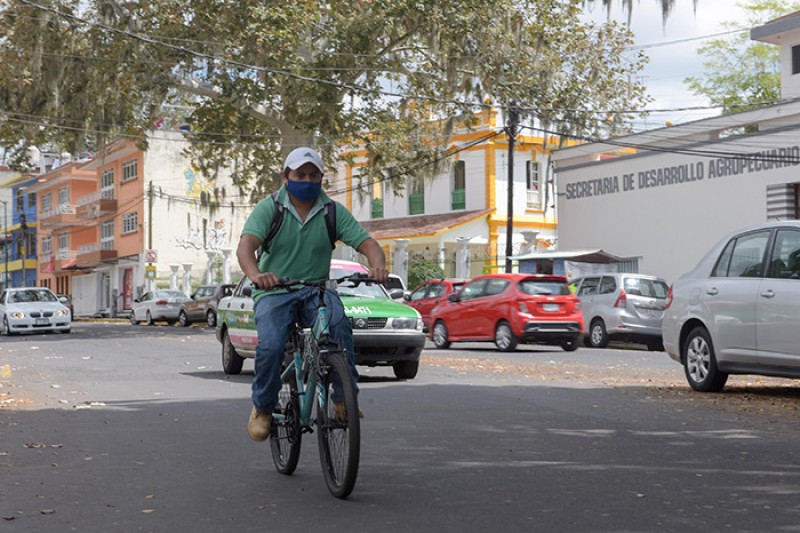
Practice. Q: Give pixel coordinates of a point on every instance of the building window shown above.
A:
(63, 242)
(129, 170)
(533, 185)
(63, 196)
(32, 200)
(47, 201)
(47, 245)
(458, 197)
(107, 235)
(20, 202)
(377, 199)
(130, 222)
(416, 200)
(796, 59)
(107, 184)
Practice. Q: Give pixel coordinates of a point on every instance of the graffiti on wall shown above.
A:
(216, 237)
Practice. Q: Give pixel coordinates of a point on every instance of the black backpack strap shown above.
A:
(330, 222)
(275, 225)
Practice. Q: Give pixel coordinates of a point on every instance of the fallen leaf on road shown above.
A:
(34, 445)
(148, 511)
(9, 517)
(47, 511)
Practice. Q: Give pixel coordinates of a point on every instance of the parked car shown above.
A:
(67, 301)
(430, 294)
(509, 309)
(385, 332)
(738, 310)
(623, 306)
(32, 309)
(158, 305)
(395, 286)
(203, 304)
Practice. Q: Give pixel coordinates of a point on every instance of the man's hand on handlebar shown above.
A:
(380, 274)
(265, 280)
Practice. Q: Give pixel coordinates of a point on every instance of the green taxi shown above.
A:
(385, 332)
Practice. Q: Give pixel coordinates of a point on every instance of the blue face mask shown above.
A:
(304, 190)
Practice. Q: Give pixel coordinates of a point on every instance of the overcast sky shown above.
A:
(670, 63)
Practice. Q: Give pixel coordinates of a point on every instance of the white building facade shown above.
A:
(667, 195)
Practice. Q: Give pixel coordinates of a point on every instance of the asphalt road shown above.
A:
(123, 428)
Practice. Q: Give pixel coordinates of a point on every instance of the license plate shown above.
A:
(42, 322)
(551, 308)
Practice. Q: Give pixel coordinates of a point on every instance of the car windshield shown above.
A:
(543, 287)
(32, 295)
(170, 294)
(363, 290)
(650, 288)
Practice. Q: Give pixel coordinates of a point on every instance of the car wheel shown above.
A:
(133, 319)
(504, 338)
(183, 319)
(149, 319)
(700, 363)
(439, 336)
(211, 318)
(6, 327)
(231, 361)
(598, 336)
(570, 345)
(406, 369)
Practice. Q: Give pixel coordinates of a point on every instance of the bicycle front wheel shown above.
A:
(286, 435)
(338, 427)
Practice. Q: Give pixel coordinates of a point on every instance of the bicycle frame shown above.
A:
(305, 363)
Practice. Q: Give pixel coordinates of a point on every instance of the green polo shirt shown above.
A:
(301, 250)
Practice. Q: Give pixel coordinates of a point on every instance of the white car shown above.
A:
(738, 311)
(158, 305)
(32, 309)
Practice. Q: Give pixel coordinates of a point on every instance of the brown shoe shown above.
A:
(340, 412)
(258, 425)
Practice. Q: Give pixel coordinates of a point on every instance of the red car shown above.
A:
(509, 309)
(430, 294)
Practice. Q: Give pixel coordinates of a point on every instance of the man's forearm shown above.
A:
(374, 253)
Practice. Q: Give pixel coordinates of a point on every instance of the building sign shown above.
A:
(150, 272)
(685, 173)
(150, 256)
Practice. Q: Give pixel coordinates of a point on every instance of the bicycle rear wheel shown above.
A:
(286, 435)
(338, 427)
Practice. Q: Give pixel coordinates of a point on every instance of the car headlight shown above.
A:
(404, 323)
(62, 312)
(17, 314)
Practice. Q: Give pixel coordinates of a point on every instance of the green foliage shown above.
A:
(260, 78)
(740, 73)
(420, 272)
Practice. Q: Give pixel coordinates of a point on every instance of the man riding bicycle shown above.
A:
(300, 249)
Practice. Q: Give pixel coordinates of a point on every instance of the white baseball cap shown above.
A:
(300, 156)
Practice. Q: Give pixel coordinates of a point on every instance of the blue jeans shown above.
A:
(275, 314)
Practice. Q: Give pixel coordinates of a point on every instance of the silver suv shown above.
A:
(621, 306)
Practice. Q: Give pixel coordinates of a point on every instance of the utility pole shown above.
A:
(512, 121)
(5, 240)
(24, 247)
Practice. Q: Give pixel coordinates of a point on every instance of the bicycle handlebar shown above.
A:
(356, 279)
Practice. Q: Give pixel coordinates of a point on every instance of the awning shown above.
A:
(580, 256)
(420, 225)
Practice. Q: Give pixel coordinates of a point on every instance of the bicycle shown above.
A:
(315, 362)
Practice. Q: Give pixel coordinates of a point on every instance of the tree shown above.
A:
(259, 78)
(740, 73)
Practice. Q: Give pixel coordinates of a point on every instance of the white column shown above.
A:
(187, 278)
(530, 237)
(173, 277)
(212, 254)
(226, 265)
(462, 258)
(400, 259)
